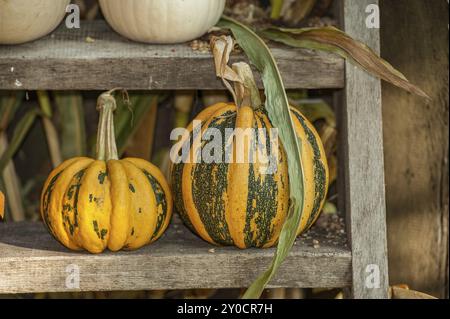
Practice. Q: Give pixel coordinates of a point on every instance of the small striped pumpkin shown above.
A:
(236, 203)
(106, 203)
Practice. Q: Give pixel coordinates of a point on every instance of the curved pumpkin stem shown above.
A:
(106, 140)
(244, 89)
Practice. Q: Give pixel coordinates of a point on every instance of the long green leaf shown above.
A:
(44, 103)
(277, 6)
(333, 40)
(20, 132)
(12, 186)
(127, 121)
(277, 106)
(73, 130)
(9, 182)
(9, 103)
(51, 134)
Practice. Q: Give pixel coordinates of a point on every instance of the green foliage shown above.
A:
(128, 116)
(73, 130)
(20, 132)
(277, 106)
(333, 40)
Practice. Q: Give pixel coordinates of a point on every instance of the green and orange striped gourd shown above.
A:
(240, 201)
(95, 204)
(237, 203)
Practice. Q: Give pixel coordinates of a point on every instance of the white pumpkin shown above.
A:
(162, 21)
(26, 20)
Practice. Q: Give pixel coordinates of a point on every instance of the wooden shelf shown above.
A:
(65, 60)
(32, 261)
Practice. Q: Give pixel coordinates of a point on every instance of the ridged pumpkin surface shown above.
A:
(237, 203)
(94, 205)
(106, 203)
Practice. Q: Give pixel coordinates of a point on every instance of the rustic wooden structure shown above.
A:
(32, 261)
(417, 147)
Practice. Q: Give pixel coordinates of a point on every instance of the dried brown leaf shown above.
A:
(334, 40)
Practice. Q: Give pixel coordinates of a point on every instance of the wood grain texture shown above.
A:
(64, 60)
(363, 163)
(416, 144)
(32, 261)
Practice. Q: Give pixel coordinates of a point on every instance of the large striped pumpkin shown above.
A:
(236, 203)
(94, 204)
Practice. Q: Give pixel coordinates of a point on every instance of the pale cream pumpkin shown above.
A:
(162, 21)
(26, 20)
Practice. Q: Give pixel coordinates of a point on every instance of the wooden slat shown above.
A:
(66, 61)
(32, 261)
(363, 164)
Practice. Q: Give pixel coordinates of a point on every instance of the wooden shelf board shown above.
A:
(32, 261)
(65, 60)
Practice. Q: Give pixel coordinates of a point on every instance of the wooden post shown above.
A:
(416, 144)
(363, 163)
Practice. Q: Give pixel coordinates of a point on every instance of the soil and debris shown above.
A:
(329, 230)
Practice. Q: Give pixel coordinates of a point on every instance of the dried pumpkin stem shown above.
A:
(106, 140)
(244, 89)
(221, 48)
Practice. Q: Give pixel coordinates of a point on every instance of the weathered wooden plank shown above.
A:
(66, 61)
(32, 261)
(363, 164)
